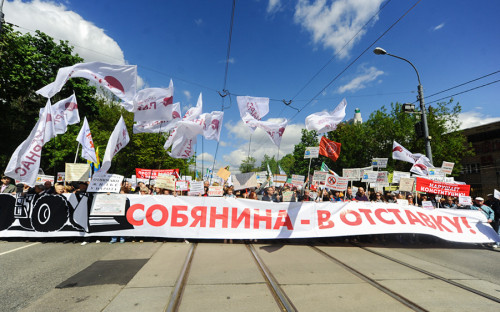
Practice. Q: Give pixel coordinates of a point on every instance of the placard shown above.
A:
(105, 183)
(496, 194)
(402, 202)
(215, 190)
(109, 205)
(187, 178)
(447, 167)
(166, 182)
(280, 178)
(336, 183)
(244, 180)
(41, 179)
(154, 173)
(382, 178)
(311, 152)
(406, 184)
(369, 176)
(77, 172)
(298, 180)
(60, 177)
(427, 204)
(442, 188)
(287, 196)
(223, 173)
(181, 185)
(320, 176)
(196, 188)
(352, 174)
(379, 162)
(465, 200)
(397, 175)
(261, 176)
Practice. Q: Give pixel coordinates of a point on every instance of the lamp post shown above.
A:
(428, 151)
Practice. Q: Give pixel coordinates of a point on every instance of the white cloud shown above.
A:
(205, 157)
(223, 143)
(439, 26)
(261, 144)
(333, 25)
(474, 119)
(187, 94)
(273, 6)
(367, 75)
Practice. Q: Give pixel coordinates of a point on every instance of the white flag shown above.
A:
(422, 166)
(157, 126)
(212, 128)
(401, 153)
(118, 139)
(25, 161)
(184, 139)
(323, 121)
(257, 107)
(64, 113)
(274, 130)
(154, 104)
(194, 112)
(121, 80)
(85, 139)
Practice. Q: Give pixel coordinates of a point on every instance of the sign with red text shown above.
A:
(153, 173)
(447, 167)
(442, 188)
(215, 190)
(336, 183)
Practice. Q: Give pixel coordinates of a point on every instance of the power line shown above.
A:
(481, 86)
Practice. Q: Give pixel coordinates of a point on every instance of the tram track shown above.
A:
(176, 296)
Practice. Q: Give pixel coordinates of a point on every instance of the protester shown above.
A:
(271, 195)
(7, 186)
(59, 189)
(378, 198)
(49, 189)
(349, 196)
(361, 195)
(450, 203)
(410, 200)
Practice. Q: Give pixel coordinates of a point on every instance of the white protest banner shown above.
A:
(181, 185)
(447, 167)
(244, 180)
(118, 139)
(108, 205)
(274, 130)
(196, 188)
(215, 191)
(319, 176)
(401, 153)
(105, 183)
(496, 194)
(422, 166)
(154, 173)
(336, 183)
(60, 177)
(298, 180)
(397, 175)
(41, 179)
(406, 184)
(165, 182)
(352, 174)
(159, 126)
(280, 178)
(379, 162)
(427, 204)
(465, 200)
(77, 172)
(369, 176)
(261, 176)
(311, 152)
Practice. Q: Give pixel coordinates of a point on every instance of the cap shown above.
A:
(490, 195)
(479, 198)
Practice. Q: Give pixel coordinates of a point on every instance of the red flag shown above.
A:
(329, 148)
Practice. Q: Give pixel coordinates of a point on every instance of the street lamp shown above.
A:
(428, 152)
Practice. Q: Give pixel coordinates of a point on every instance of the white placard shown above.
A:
(298, 180)
(379, 162)
(187, 178)
(406, 184)
(319, 176)
(41, 179)
(352, 174)
(402, 202)
(105, 183)
(311, 152)
(244, 180)
(60, 177)
(261, 176)
(336, 183)
(397, 175)
(196, 188)
(181, 185)
(280, 178)
(382, 178)
(369, 176)
(108, 205)
(496, 194)
(165, 182)
(427, 204)
(447, 167)
(465, 200)
(77, 172)
(215, 190)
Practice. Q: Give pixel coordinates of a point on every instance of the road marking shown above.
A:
(6, 252)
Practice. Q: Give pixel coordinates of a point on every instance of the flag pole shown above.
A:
(76, 155)
(309, 170)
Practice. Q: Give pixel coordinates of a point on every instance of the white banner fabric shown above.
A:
(324, 122)
(401, 153)
(85, 139)
(421, 166)
(64, 113)
(257, 107)
(274, 130)
(154, 104)
(157, 126)
(118, 139)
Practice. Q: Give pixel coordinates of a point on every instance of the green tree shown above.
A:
(301, 165)
(248, 164)
(27, 63)
(287, 163)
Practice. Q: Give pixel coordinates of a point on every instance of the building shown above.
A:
(357, 117)
(482, 171)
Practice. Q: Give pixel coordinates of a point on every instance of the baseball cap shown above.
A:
(479, 198)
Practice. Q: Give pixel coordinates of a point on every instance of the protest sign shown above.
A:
(298, 180)
(352, 174)
(465, 200)
(108, 205)
(223, 173)
(402, 202)
(447, 167)
(41, 179)
(427, 204)
(165, 182)
(288, 196)
(196, 188)
(379, 162)
(369, 176)
(397, 175)
(319, 176)
(187, 178)
(382, 178)
(244, 180)
(442, 188)
(280, 178)
(105, 183)
(261, 176)
(215, 190)
(60, 177)
(77, 172)
(181, 185)
(406, 184)
(154, 173)
(496, 194)
(311, 152)
(336, 183)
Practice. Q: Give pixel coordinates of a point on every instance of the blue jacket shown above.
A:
(488, 212)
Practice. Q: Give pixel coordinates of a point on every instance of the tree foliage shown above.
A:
(247, 165)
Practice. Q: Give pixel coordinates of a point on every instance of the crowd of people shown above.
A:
(284, 193)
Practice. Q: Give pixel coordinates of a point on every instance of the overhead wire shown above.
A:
(478, 87)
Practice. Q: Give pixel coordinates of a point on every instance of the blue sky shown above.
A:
(278, 46)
